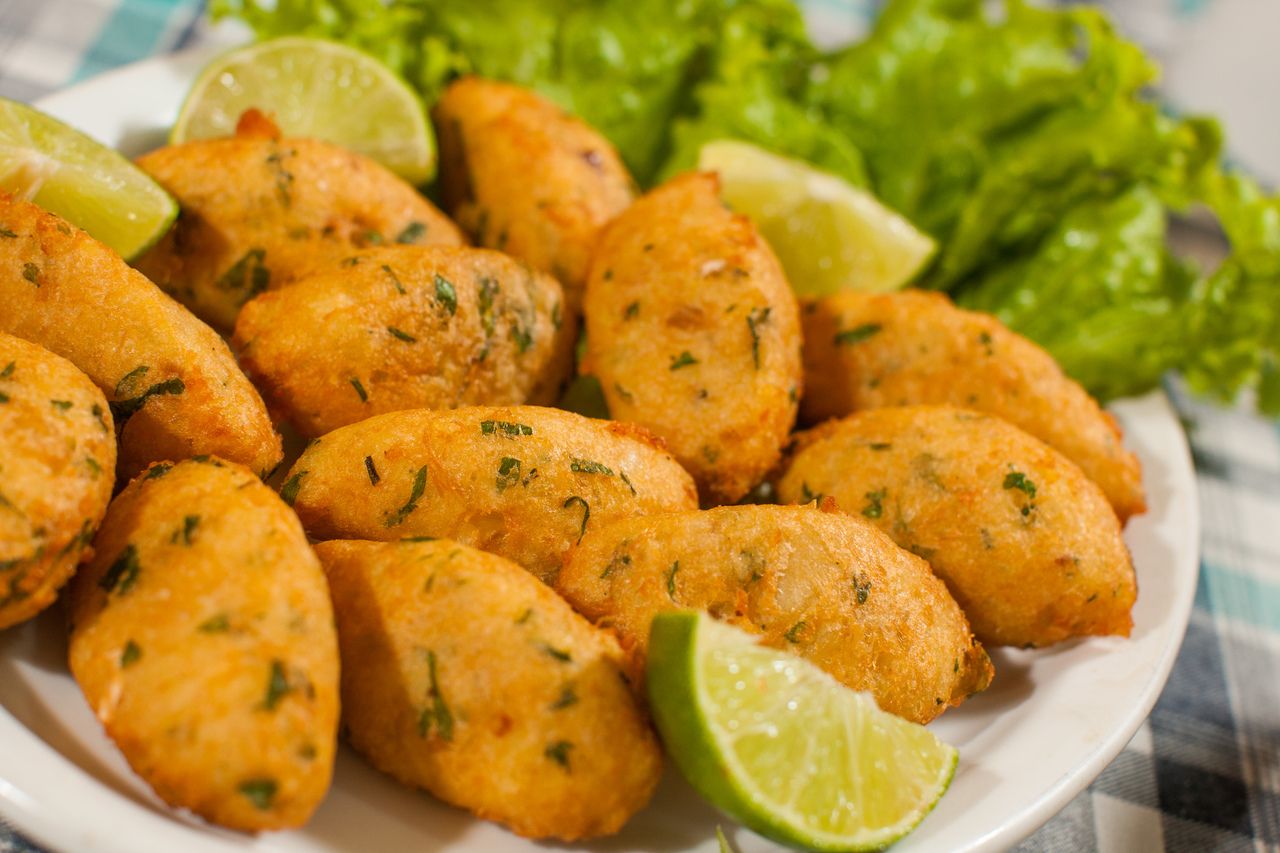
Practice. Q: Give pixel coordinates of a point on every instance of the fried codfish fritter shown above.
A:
(174, 388)
(405, 328)
(465, 676)
(258, 210)
(693, 333)
(1026, 543)
(203, 639)
(522, 176)
(820, 584)
(866, 351)
(523, 482)
(57, 470)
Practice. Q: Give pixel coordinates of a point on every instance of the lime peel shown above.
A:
(781, 746)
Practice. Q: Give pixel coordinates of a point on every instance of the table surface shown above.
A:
(1203, 773)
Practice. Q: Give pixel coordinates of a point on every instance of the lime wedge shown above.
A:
(318, 89)
(83, 181)
(829, 235)
(778, 744)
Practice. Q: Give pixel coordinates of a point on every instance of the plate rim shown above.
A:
(38, 822)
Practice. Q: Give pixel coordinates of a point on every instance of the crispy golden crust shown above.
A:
(465, 676)
(693, 333)
(865, 351)
(1026, 543)
(57, 469)
(258, 211)
(203, 639)
(404, 328)
(821, 584)
(523, 176)
(523, 482)
(172, 383)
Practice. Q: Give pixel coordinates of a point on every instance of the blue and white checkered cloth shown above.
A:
(1203, 773)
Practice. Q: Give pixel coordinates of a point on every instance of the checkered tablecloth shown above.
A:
(1203, 773)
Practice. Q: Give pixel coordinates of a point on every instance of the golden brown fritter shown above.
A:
(1026, 543)
(203, 639)
(523, 482)
(821, 584)
(865, 351)
(173, 386)
(522, 176)
(57, 469)
(258, 210)
(693, 332)
(405, 328)
(465, 676)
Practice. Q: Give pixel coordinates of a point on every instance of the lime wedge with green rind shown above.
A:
(829, 235)
(317, 89)
(68, 173)
(784, 748)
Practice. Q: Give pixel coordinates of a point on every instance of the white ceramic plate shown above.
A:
(1050, 723)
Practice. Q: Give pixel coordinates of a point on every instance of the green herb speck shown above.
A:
(684, 359)
(438, 714)
(277, 686)
(132, 652)
(289, 491)
(875, 504)
(857, 334)
(401, 335)
(412, 233)
(508, 473)
(1018, 480)
(559, 752)
(260, 792)
(122, 574)
(671, 580)
(31, 273)
(446, 295)
(364, 395)
(218, 624)
(793, 633)
(419, 487)
(568, 696)
(371, 471)
(586, 513)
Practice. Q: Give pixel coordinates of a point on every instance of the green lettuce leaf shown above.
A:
(752, 92)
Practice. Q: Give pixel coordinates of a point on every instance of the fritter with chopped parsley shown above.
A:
(818, 583)
(524, 482)
(1026, 543)
(203, 639)
(865, 351)
(405, 328)
(173, 386)
(694, 334)
(522, 176)
(258, 210)
(464, 675)
(57, 469)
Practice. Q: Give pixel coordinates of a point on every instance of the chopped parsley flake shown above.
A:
(559, 654)
(218, 624)
(401, 335)
(861, 590)
(364, 395)
(857, 334)
(395, 279)
(568, 696)
(671, 580)
(132, 652)
(793, 634)
(508, 473)
(189, 525)
(559, 752)
(874, 507)
(121, 575)
(31, 273)
(289, 491)
(248, 275)
(371, 471)
(586, 513)
(585, 466)
(504, 428)
(1018, 480)
(438, 714)
(277, 686)
(446, 295)
(260, 792)
(419, 487)
(757, 318)
(123, 409)
(412, 233)
(684, 359)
